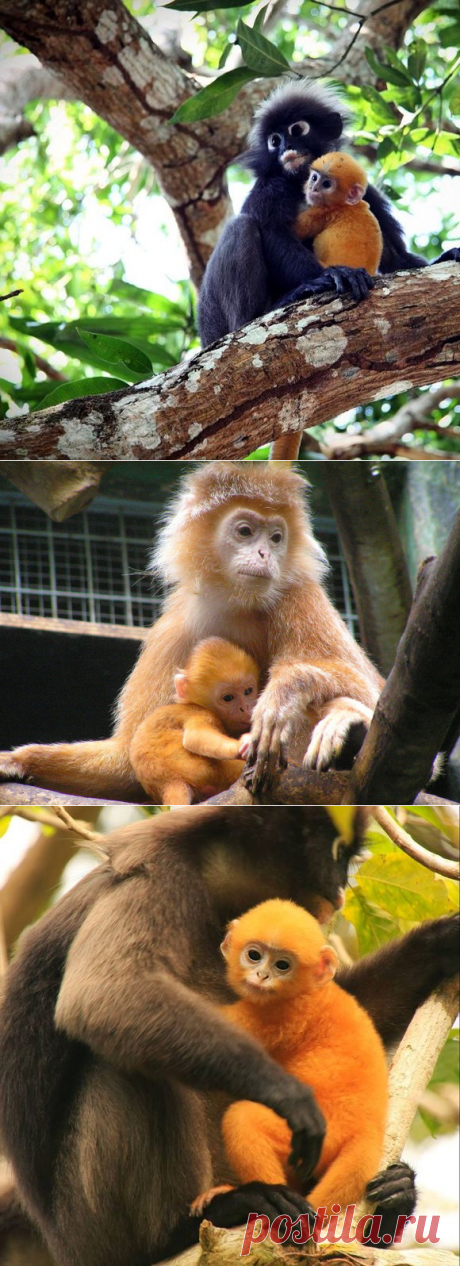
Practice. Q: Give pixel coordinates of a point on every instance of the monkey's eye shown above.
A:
(274, 141)
(228, 698)
(254, 955)
(299, 129)
(244, 530)
(283, 964)
(314, 177)
(248, 690)
(277, 537)
(327, 184)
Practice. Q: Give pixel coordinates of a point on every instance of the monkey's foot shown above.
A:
(394, 1188)
(453, 253)
(12, 769)
(233, 1207)
(198, 1205)
(337, 738)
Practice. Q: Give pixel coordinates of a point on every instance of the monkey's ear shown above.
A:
(180, 685)
(226, 943)
(326, 966)
(354, 195)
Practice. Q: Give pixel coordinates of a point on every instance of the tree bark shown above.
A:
(285, 372)
(422, 695)
(304, 786)
(372, 546)
(61, 488)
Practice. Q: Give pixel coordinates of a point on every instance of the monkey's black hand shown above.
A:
(233, 1207)
(453, 253)
(395, 1191)
(355, 279)
(340, 280)
(308, 1126)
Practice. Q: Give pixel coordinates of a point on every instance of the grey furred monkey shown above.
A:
(110, 1046)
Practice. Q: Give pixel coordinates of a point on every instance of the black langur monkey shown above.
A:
(110, 1043)
(259, 264)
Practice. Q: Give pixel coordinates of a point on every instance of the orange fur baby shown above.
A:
(279, 964)
(342, 226)
(189, 750)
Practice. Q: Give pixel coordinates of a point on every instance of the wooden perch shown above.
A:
(410, 1071)
(59, 488)
(23, 793)
(285, 372)
(422, 695)
(295, 785)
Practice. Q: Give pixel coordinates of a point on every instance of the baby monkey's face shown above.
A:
(265, 970)
(233, 703)
(320, 188)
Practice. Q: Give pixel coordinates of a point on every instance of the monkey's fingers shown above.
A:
(305, 1153)
(356, 280)
(394, 1188)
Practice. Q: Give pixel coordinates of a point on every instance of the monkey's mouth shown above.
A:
(293, 160)
(254, 573)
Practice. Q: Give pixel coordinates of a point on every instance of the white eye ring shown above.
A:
(304, 128)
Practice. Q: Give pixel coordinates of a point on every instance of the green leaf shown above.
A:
(214, 98)
(455, 101)
(450, 37)
(382, 110)
(224, 55)
(403, 888)
(400, 77)
(80, 388)
(115, 351)
(416, 60)
(263, 57)
(259, 18)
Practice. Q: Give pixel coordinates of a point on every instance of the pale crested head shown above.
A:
(195, 544)
(299, 121)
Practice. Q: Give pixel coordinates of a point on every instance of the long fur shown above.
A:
(296, 97)
(214, 488)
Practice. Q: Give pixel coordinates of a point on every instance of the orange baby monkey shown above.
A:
(342, 226)
(282, 969)
(193, 748)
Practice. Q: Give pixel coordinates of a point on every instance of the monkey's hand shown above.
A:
(272, 728)
(453, 253)
(337, 738)
(340, 279)
(394, 1193)
(308, 1126)
(245, 742)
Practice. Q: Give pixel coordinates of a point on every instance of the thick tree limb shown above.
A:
(287, 371)
(21, 794)
(295, 785)
(422, 695)
(372, 546)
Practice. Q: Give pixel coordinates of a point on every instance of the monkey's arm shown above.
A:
(394, 981)
(303, 687)
(136, 1014)
(310, 222)
(205, 736)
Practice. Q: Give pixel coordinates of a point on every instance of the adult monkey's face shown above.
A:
(251, 547)
(295, 125)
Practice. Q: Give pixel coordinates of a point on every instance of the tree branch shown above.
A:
(291, 369)
(10, 346)
(61, 489)
(404, 841)
(422, 695)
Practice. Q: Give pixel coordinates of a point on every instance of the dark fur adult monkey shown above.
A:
(259, 264)
(239, 551)
(110, 1046)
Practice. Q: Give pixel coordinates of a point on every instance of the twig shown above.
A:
(10, 346)
(57, 818)
(440, 865)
